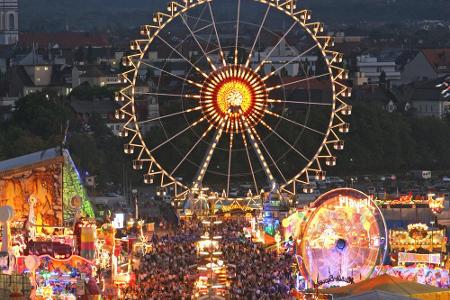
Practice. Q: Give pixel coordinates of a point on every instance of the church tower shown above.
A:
(9, 22)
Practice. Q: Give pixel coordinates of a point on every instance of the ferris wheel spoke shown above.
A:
(237, 32)
(182, 56)
(209, 153)
(192, 148)
(217, 34)
(268, 153)
(292, 60)
(261, 64)
(230, 149)
(298, 102)
(296, 81)
(208, 59)
(173, 75)
(244, 139)
(259, 155)
(294, 122)
(257, 37)
(178, 134)
(284, 140)
(171, 115)
(199, 18)
(188, 96)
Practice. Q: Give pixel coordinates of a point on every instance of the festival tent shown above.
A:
(393, 285)
(376, 295)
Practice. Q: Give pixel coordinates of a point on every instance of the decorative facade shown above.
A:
(9, 22)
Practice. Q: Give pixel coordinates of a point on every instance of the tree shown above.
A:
(43, 114)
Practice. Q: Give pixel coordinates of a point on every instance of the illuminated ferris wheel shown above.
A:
(244, 93)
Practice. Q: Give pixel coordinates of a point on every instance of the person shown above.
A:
(167, 272)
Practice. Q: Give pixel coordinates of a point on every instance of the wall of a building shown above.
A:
(418, 69)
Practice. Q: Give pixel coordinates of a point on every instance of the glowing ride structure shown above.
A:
(343, 239)
(236, 110)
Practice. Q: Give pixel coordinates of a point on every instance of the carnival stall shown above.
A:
(418, 244)
(420, 273)
(434, 202)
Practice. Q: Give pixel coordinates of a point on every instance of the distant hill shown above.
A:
(115, 14)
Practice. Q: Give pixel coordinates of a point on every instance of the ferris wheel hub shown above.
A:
(234, 99)
(236, 92)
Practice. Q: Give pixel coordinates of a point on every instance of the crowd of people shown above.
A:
(259, 273)
(170, 270)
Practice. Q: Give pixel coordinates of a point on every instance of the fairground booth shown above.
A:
(50, 238)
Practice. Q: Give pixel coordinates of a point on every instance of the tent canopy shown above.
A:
(384, 283)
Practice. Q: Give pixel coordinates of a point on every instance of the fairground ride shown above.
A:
(245, 93)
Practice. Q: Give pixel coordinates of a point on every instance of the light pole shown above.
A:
(432, 225)
(136, 208)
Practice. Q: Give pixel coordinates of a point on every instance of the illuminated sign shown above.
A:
(354, 203)
(405, 257)
(236, 206)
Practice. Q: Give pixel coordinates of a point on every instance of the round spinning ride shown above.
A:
(344, 238)
(233, 93)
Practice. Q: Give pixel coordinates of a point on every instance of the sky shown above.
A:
(57, 15)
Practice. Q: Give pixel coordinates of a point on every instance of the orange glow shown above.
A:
(232, 92)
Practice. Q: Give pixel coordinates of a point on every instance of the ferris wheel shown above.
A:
(242, 92)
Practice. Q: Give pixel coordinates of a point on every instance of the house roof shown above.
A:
(32, 58)
(25, 80)
(62, 39)
(93, 71)
(32, 159)
(439, 59)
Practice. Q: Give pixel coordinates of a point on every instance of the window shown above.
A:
(12, 21)
(46, 68)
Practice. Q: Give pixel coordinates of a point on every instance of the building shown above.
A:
(370, 70)
(298, 90)
(427, 100)
(427, 64)
(87, 109)
(286, 58)
(9, 22)
(33, 73)
(94, 75)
